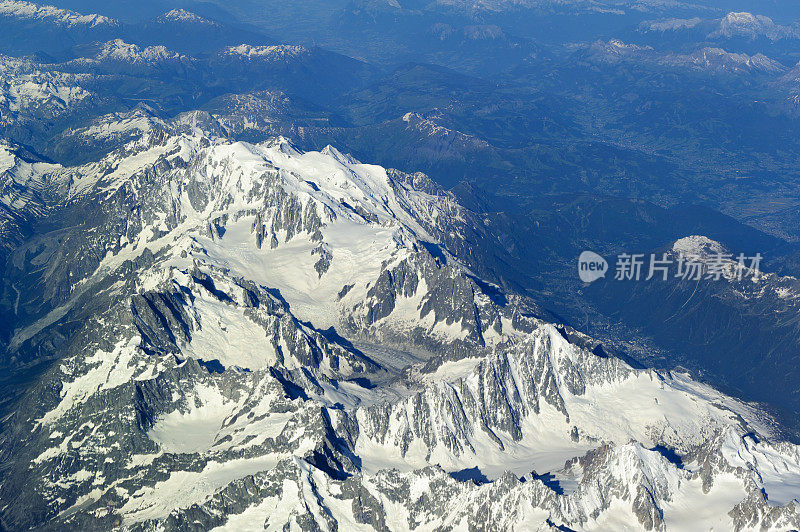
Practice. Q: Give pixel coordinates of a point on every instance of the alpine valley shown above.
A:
(211, 319)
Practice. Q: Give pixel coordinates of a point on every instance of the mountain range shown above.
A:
(253, 334)
(263, 273)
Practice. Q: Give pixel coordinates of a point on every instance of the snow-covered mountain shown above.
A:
(183, 16)
(37, 101)
(47, 13)
(750, 26)
(30, 92)
(205, 326)
(267, 54)
(252, 336)
(31, 27)
(714, 60)
(119, 50)
(733, 26)
(21, 189)
(117, 57)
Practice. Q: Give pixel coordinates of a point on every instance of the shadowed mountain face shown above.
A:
(314, 265)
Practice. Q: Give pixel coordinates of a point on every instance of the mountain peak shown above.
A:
(272, 53)
(750, 26)
(64, 17)
(697, 245)
(119, 50)
(184, 17)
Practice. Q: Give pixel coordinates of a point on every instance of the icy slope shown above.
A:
(22, 187)
(252, 336)
(30, 92)
(345, 244)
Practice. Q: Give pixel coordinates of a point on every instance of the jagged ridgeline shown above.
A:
(245, 336)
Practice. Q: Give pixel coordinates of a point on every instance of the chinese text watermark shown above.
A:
(663, 266)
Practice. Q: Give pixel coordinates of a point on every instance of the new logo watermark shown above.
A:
(638, 266)
(591, 267)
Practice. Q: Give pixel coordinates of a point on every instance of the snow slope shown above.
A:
(222, 372)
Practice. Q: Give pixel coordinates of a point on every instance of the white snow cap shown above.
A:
(63, 17)
(697, 245)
